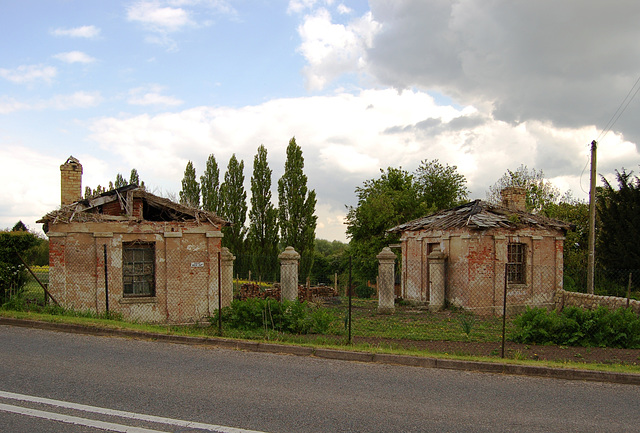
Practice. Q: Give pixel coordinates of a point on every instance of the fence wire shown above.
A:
(455, 309)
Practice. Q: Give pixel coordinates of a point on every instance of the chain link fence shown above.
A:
(463, 309)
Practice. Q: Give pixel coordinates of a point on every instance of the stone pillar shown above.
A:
(226, 274)
(386, 281)
(437, 278)
(289, 260)
(70, 181)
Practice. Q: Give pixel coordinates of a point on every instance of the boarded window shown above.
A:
(516, 264)
(138, 269)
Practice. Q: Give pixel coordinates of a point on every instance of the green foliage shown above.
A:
(578, 327)
(440, 186)
(262, 236)
(287, 316)
(134, 178)
(540, 192)
(329, 258)
(363, 291)
(619, 228)
(190, 193)
(576, 243)
(383, 203)
(13, 274)
(296, 208)
(234, 209)
(120, 182)
(210, 186)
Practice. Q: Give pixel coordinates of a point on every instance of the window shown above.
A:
(138, 269)
(516, 264)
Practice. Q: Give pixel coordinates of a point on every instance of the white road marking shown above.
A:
(121, 414)
(109, 426)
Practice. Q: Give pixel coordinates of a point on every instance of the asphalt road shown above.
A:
(226, 390)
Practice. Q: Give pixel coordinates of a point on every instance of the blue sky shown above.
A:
(362, 85)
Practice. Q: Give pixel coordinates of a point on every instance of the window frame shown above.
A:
(516, 263)
(138, 269)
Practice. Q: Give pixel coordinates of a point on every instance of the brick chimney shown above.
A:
(70, 181)
(514, 198)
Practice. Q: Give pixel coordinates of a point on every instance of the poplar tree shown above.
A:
(120, 182)
(296, 207)
(234, 209)
(134, 178)
(263, 220)
(210, 185)
(190, 194)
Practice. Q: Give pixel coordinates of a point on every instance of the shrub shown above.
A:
(577, 327)
(363, 291)
(286, 316)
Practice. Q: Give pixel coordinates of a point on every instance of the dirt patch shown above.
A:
(599, 355)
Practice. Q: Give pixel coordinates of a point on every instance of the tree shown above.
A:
(296, 208)
(120, 182)
(134, 178)
(540, 193)
(576, 242)
(234, 205)
(13, 275)
(190, 193)
(440, 186)
(263, 220)
(619, 218)
(383, 203)
(210, 185)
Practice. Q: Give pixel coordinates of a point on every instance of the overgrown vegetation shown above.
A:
(578, 327)
(270, 315)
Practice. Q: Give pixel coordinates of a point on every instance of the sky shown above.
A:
(485, 85)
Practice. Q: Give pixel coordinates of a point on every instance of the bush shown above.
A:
(363, 291)
(577, 327)
(286, 316)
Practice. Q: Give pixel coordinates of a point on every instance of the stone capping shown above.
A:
(172, 234)
(214, 234)
(57, 234)
(103, 234)
(591, 302)
(138, 300)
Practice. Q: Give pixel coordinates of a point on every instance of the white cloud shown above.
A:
(9, 105)
(346, 139)
(158, 17)
(74, 100)
(75, 57)
(344, 10)
(151, 95)
(333, 49)
(29, 73)
(88, 32)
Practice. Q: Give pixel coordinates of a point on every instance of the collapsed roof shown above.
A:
(480, 215)
(154, 208)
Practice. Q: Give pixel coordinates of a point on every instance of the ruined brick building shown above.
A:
(484, 247)
(158, 260)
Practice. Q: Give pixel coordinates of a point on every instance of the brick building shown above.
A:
(161, 257)
(480, 242)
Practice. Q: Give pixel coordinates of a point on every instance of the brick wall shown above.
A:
(591, 302)
(70, 182)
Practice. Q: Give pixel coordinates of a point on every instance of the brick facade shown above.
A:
(186, 269)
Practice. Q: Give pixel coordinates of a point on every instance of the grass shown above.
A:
(306, 341)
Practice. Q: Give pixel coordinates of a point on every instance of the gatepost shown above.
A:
(226, 271)
(289, 260)
(386, 280)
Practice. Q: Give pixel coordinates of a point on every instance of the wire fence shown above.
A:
(464, 308)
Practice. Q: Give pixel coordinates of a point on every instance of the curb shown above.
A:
(341, 355)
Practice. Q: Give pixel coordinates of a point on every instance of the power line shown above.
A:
(623, 106)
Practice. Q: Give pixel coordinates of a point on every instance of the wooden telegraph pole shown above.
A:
(592, 221)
